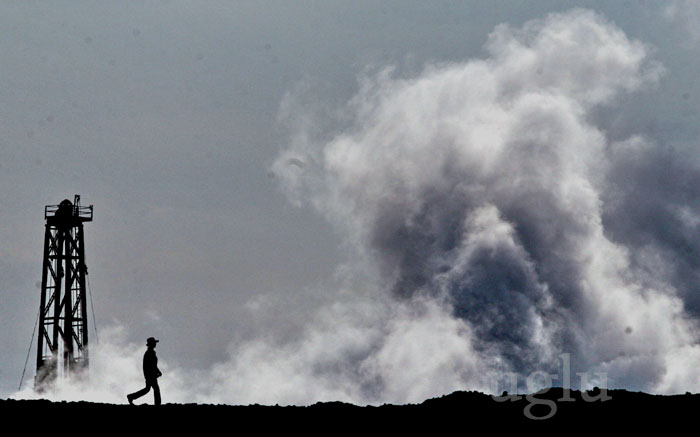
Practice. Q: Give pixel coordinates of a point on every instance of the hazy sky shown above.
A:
(269, 196)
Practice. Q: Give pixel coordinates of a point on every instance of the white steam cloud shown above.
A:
(472, 198)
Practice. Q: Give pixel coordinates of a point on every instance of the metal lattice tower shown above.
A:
(63, 329)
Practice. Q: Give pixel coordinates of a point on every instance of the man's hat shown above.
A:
(151, 340)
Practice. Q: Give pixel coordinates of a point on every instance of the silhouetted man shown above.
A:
(150, 372)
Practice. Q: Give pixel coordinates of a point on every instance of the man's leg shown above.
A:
(156, 391)
(141, 392)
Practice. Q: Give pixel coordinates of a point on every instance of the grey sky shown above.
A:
(165, 116)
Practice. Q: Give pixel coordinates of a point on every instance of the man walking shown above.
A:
(150, 372)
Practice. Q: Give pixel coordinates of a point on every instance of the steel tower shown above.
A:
(63, 329)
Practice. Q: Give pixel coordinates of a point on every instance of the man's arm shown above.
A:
(155, 366)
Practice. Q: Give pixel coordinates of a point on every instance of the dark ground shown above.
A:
(462, 412)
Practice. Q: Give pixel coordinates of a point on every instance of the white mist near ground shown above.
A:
(360, 352)
(115, 370)
(470, 198)
(114, 365)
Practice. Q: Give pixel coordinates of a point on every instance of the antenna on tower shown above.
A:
(63, 330)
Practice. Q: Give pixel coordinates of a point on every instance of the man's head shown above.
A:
(151, 342)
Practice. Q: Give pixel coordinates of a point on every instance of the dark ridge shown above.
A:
(463, 410)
